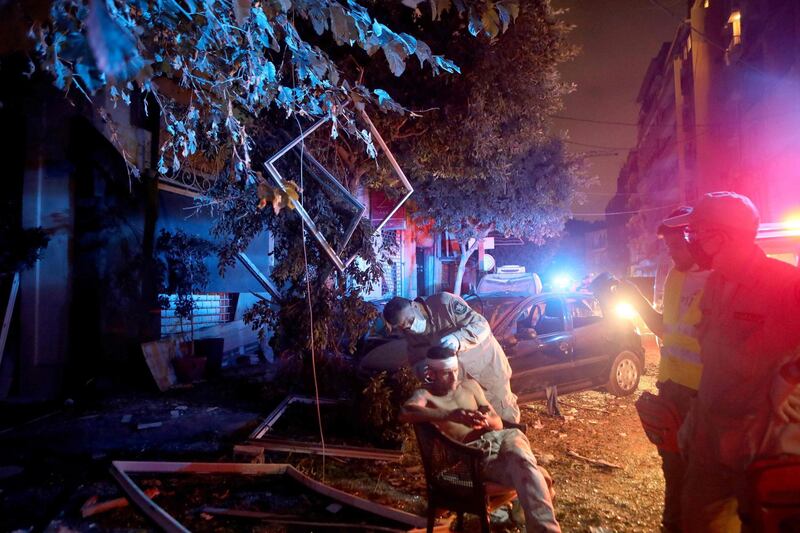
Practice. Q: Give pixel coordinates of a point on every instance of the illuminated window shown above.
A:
(735, 20)
(705, 5)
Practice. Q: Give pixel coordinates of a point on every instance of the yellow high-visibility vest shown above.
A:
(680, 352)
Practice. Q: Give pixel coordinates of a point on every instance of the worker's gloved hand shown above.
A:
(450, 342)
(785, 393)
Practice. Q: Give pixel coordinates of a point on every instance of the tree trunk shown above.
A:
(466, 253)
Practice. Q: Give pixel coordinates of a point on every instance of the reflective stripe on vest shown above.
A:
(680, 341)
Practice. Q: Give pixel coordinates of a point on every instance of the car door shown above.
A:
(537, 344)
(589, 336)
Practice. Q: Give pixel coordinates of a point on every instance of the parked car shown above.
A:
(550, 339)
(510, 280)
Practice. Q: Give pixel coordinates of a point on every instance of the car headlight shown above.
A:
(625, 310)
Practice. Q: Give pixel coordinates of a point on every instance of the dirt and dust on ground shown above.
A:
(602, 427)
(52, 467)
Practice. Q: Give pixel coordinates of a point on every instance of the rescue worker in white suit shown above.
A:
(446, 320)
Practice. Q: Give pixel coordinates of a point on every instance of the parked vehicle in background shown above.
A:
(510, 280)
(780, 240)
(496, 293)
(550, 339)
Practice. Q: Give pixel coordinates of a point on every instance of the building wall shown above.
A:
(719, 112)
(45, 289)
(748, 106)
(658, 180)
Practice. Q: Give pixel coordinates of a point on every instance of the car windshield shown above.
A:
(497, 285)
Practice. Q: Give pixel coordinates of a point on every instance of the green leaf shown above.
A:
(505, 16)
(342, 26)
(382, 95)
(396, 54)
(423, 52)
(491, 21)
(241, 11)
(318, 21)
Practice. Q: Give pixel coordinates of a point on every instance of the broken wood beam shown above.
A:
(352, 452)
(121, 470)
(598, 462)
(243, 453)
(290, 519)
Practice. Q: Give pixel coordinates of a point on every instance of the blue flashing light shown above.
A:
(562, 282)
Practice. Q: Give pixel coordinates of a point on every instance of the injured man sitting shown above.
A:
(460, 410)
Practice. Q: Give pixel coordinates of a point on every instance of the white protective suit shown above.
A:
(479, 353)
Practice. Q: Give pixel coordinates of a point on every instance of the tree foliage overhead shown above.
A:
(531, 204)
(486, 119)
(214, 65)
(486, 159)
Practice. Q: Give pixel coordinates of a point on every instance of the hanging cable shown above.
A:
(632, 212)
(308, 293)
(595, 121)
(310, 307)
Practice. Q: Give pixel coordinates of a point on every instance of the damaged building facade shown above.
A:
(719, 111)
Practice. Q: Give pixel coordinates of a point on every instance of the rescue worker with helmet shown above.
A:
(679, 368)
(748, 396)
(446, 320)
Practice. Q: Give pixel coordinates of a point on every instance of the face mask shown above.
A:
(700, 256)
(418, 326)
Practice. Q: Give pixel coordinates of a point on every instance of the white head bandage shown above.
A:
(451, 363)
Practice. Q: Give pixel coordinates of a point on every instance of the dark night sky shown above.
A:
(618, 38)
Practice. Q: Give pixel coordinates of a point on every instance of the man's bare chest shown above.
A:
(459, 399)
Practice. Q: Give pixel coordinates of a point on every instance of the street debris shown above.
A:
(598, 462)
(224, 489)
(92, 507)
(149, 425)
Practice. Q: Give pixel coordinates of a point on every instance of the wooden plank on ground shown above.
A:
(159, 356)
(291, 520)
(266, 426)
(353, 452)
(261, 437)
(121, 469)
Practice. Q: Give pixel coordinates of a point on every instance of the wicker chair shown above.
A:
(454, 476)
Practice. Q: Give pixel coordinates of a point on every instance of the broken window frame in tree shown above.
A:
(121, 471)
(335, 255)
(261, 438)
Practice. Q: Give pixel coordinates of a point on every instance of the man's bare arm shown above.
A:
(416, 410)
